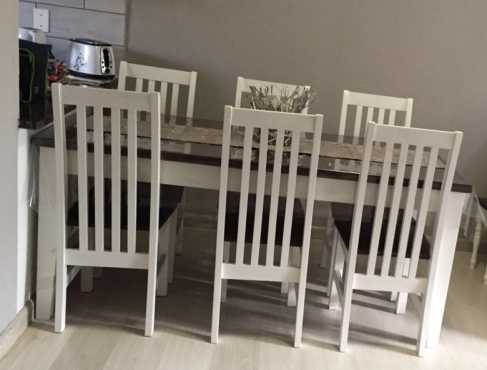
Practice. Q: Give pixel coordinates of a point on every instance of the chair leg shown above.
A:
(485, 276)
(338, 264)
(180, 222)
(163, 273)
(331, 263)
(172, 224)
(402, 298)
(87, 274)
(61, 285)
(215, 316)
(422, 331)
(330, 235)
(345, 320)
(468, 214)
(151, 296)
(294, 260)
(298, 331)
(476, 243)
(226, 258)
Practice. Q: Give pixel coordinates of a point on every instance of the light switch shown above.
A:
(41, 19)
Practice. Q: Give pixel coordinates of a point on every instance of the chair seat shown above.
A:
(344, 227)
(143, 212)
(232, 215)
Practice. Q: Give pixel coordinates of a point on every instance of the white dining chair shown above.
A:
(393, 234)
(259, 225)
(115, 206)
(242, 91)
(358, 108)
(244, 84)
(169, 82)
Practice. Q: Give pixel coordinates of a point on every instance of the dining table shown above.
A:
(191, 157)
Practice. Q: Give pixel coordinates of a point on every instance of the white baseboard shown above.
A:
(15, 329)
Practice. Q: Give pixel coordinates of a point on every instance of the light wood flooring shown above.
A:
(105, 328)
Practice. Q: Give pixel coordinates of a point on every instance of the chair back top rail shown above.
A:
(150, 76)
(366, 105)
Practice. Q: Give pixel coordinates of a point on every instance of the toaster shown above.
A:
(91, 59)
(32, 35)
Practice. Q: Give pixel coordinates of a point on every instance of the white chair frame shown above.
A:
(151, 76)
(404, 277)
(243, 86)
(366, 106)
(297, 124)
(119, 102)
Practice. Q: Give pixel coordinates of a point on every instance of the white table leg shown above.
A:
(447, 239)
(46, 245)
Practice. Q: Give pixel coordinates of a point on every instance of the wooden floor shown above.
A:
(105, 328)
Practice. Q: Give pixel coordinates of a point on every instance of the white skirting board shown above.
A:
(15, 329)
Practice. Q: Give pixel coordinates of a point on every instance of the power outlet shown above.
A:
(41, 19)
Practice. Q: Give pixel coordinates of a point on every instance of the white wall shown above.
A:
(8, 161)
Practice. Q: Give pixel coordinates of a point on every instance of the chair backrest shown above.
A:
(366, 106)
(418, 152)
(150, 79)
(243, 86)
(259, 180)
(91, 125)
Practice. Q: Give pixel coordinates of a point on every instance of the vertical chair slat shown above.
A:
(163, 97)
(139, 84)
(392, 117)
(308, 223)
(151, 86)
(423, 211)
(290, 199)
(132, 181)
(379, 209)
(244, 195)
(343, 114)
(116, 180)
(191, 94)
(358, 121)
(259, 202)
(370, 114)
(174, 99)
(408, 210)
(122, 76)
(82, 177)
(409, 113)
(359, 206)
(394, 210)
(276, 186)
(99, 179)
(380, 119)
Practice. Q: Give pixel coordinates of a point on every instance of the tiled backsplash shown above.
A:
(97, 19)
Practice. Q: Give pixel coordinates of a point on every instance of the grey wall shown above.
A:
(434, 51)
(98, 19)
(9, 93)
